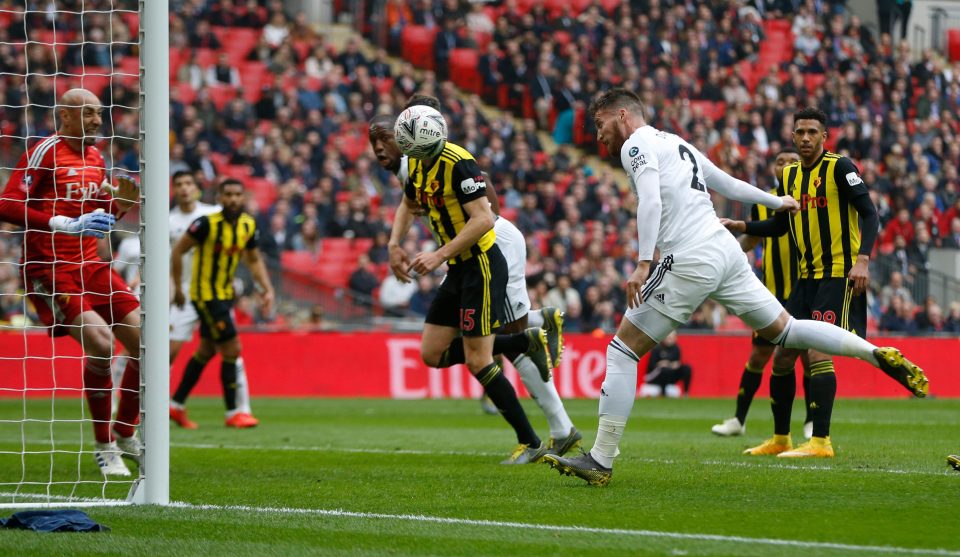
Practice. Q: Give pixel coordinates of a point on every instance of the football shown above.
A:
(421, 132)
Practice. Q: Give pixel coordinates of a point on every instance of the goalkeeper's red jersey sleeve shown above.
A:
(52, 179)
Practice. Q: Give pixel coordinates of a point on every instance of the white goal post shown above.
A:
(46, 445)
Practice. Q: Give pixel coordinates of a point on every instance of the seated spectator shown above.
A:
(952, 240)
(894, 287)
(421, 299)
(395, 295)
(363, 281)
(276, 32)
(203, 36)
(665, 369)
(308, 238)
(379, 252)
(898, 318)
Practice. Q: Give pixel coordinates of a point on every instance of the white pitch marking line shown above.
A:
(529, 526)
(774, 466)
(574, 529)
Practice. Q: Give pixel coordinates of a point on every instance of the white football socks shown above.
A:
(546, 396)
(617, 395)
(826, 338)
(535, 318)
(243, 388)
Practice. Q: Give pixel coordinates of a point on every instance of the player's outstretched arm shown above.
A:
(399, 259)
(738, 190)
(258, 269)
(183, 245)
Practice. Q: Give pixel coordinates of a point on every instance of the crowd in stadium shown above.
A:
(258, 93)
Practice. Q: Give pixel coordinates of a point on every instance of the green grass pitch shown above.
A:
(376, 477)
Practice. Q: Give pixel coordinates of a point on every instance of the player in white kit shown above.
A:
(184, 319)
(517, 315)
(699, 259)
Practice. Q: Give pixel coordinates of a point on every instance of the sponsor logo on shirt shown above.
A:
(633, 151)
(637, 162)
(472, 185)
(853, 179)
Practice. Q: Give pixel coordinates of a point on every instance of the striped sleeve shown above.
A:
(28, 180)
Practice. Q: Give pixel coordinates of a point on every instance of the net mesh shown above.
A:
(46, 428)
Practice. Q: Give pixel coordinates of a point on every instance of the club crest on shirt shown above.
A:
(26, 182)
(818, 182)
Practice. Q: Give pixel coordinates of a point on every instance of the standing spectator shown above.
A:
(445, 41)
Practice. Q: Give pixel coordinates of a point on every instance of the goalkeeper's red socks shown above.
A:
(128, 410)
(98, 388)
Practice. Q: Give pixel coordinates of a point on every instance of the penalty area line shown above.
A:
(340, 513)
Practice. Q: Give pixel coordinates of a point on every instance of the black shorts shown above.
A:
(759, 340)
(216, 320)
(472, 295)
(830, 300)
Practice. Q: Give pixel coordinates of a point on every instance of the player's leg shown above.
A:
(229, 347)
(183, 321)
(563, 435)
(93, 333)
(807, 420)
(243, 388)
(206, 350)
(832, 340)
(516, 310)
(617, 393)
(127, 331)
(744, 294)
(676, 287)
(760, 353)
(482, 296)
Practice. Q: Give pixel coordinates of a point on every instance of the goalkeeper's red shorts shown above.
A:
(62, 291)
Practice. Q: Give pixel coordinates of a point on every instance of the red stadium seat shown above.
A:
(463, 69)
(417, 45)
(814, 81)
(220, 95)
(239, 171)
(205, 57)
(187, 94)
(482, 39)
(263, 190)
(300, 261)
(383, 85)
(334, 274)
(361, 245)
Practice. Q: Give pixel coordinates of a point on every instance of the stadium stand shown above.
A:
(725, 75)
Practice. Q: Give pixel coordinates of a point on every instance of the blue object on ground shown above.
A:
(54, 520)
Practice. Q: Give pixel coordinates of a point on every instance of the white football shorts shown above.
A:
(183, 321)
(717, 269)
(514, 248)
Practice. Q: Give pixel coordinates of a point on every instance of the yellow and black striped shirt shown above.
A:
(219, 244)
(779, 258)
(442, 189)
(826, 230)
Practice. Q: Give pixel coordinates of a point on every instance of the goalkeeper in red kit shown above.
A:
(60, 193)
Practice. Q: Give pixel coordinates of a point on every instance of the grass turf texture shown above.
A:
(675, 487)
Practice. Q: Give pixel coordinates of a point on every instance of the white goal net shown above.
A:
(55, 360)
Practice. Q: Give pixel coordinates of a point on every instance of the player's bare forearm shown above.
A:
(183, 245)
(258, 268)
(748, 243)
(402, 221)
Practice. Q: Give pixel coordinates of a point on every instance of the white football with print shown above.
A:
(421, 132)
